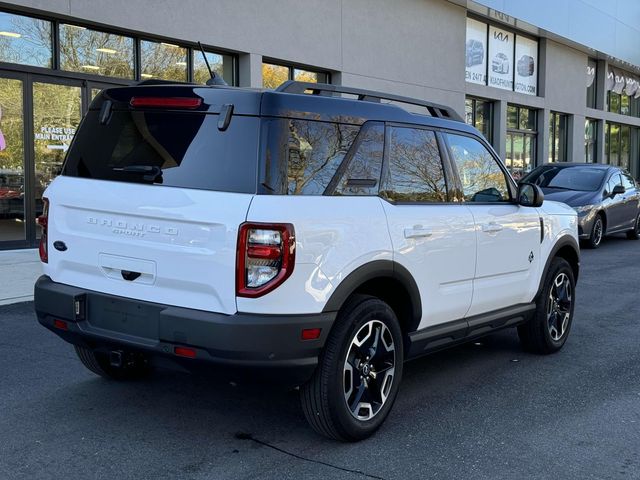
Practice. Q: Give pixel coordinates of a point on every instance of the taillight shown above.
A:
(43, 221)
(265, 257)
(165, 102)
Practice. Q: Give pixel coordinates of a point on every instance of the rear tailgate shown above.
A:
(181, 241)
(150, 199)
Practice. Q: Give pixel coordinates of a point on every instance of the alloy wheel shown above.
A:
(369, 370)
(597, 231)
(559, 306)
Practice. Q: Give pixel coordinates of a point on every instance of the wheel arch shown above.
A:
(387, 280)
(568, 249)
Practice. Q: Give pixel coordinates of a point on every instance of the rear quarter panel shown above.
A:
(334, 236)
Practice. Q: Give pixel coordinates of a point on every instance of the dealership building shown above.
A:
(544, 81)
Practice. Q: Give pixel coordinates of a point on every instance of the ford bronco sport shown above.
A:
(321, 233)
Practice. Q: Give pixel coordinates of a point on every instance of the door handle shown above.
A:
(417, 232)
(491, 227)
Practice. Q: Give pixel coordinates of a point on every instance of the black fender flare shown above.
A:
(564, 241)
(371, 271)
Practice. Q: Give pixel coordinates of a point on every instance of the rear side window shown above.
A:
(482, 178)
(303, 156)
(361, 170)
(175, 149)
(415, 172)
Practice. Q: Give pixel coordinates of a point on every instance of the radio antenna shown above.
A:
(215, 79)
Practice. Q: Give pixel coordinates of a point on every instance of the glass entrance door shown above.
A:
(12, 163)
(57, 110)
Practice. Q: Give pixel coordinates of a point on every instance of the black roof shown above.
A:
(290, 100)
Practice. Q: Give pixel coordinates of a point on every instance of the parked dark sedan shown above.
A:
(606, 197)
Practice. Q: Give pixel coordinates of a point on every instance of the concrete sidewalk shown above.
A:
(19, 270)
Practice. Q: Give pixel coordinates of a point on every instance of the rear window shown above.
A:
(174, 149)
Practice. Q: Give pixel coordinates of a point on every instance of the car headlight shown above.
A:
(583, 208)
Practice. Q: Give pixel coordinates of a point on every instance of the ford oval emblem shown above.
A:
(61, 246)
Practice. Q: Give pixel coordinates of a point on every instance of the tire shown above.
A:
(373, 324)
(547, 331)
(597, 232)
(634, 233)
(135, 369)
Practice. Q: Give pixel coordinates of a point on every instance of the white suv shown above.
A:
(314, 239)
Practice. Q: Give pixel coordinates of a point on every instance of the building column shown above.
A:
(600, 134)
(499, 128)
(542, 149)
(250, 70)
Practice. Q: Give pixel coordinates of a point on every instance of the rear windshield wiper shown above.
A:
(150, 172)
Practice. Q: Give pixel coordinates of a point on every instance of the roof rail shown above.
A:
(326, 89)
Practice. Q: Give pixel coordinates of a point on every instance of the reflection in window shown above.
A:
(11, 161)
(56, 116)
(100, 53)
(314, 152)
(415, 168)
(362, 174)
(558, 137)
(479, 114)
(521, 140)
(274, 75)
(222, 65)
(164, 61)
(25, 40)
(590, 140)
(482, 178)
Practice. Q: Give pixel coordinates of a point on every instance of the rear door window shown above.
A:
(415, 172)
(175, 149)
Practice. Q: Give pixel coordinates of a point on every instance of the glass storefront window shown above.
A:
(625, 133)
(25, 40)
(274, 75)
(56, 115)
(222, 65)
(558, 137)
(521, 140)
(590, 140)
(624, 104)
(479, 113)
(614, 102)
(164, 61)
(99, 53)
(12, 225)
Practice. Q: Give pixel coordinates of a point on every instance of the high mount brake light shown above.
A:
(265, 257)
(43, 221)
(165, 102)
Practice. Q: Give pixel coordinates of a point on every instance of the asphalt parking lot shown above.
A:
(477, 411)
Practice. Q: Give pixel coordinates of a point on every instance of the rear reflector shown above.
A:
(310, 334)
(60, 324)
(185, 352)
(165, 102)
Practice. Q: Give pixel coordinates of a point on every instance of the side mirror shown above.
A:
(530, 195)
(618, 190)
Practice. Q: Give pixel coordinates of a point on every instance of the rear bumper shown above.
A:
(264, 346)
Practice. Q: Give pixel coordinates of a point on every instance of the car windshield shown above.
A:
(584, 179)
